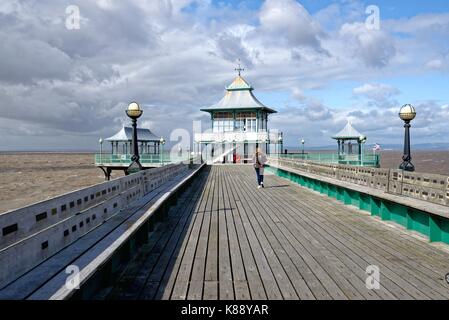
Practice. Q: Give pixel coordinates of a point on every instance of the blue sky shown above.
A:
(391, 9)
(315, 61)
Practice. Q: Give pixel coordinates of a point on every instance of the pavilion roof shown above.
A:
(348, 132)
(239, 95)
(239, 84)
(126, 134)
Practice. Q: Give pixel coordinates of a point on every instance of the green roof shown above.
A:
(239, 84)
(348, 132)
(239, 95)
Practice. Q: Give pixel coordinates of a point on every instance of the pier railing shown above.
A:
(417, 201)
(31, 234)
(145, 159)
(364, 160)
(424, 186)
(238, 137)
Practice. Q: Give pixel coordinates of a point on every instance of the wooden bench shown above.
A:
(427, 218)
(101, 249)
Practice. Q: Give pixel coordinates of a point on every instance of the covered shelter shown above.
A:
(122, 141)
(150, 151)
(349, 141)
(239, 125)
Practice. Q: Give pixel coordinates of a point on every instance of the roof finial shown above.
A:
(239, 69)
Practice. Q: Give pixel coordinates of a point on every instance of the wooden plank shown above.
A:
(181, 286)
(314, 205)
(211, 267)
(310, 257)
(264, 221)
(355, 265)
(123, 285)
(186, 206)
(431, 257)
(365, 260)
(199, 263)
(226, 287)
(132, 283)
(228, 240)
(304, 270)
(383, 253)
(240, 282)
(302, 204)
(355, 285)
(255, 284)
(251, 217)
(404, 275)
(165, 289)
(324, 279)
(269, 282)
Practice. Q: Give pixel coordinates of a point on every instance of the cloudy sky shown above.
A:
(319, 63)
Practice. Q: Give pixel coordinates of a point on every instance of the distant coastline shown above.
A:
(434, 147)
(48, 152)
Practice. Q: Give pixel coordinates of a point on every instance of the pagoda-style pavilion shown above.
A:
(121, 142)
(120, 158)
(349, 141)
(239, 126)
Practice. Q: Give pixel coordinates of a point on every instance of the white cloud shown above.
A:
(440, 64)
(176, 57)
(376, 91)
(434, 64)
(289, 20)
(298, 94)
(435, 22)
(375, 47)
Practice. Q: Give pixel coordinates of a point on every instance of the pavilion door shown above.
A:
(250, 125)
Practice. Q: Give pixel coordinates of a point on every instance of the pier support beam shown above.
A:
(107, 173)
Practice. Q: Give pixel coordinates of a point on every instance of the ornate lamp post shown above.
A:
(303, 142)
(134, 112)
(101, 150)
(407, 114)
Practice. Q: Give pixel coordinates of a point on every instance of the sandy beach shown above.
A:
(26, 178)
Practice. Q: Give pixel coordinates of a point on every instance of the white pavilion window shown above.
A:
(223, 122)
(246, 121)
(251, 125)
(239, 125)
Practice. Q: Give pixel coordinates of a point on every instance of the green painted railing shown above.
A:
(125, 159)
(365, 160)
(435, 227)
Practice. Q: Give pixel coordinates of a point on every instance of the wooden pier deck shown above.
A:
(225, 239)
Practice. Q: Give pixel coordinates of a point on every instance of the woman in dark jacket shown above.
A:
(259, 160)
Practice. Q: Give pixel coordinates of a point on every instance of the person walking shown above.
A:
(259, 160)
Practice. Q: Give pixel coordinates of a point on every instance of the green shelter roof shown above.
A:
(239, 95)
(348, 133)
